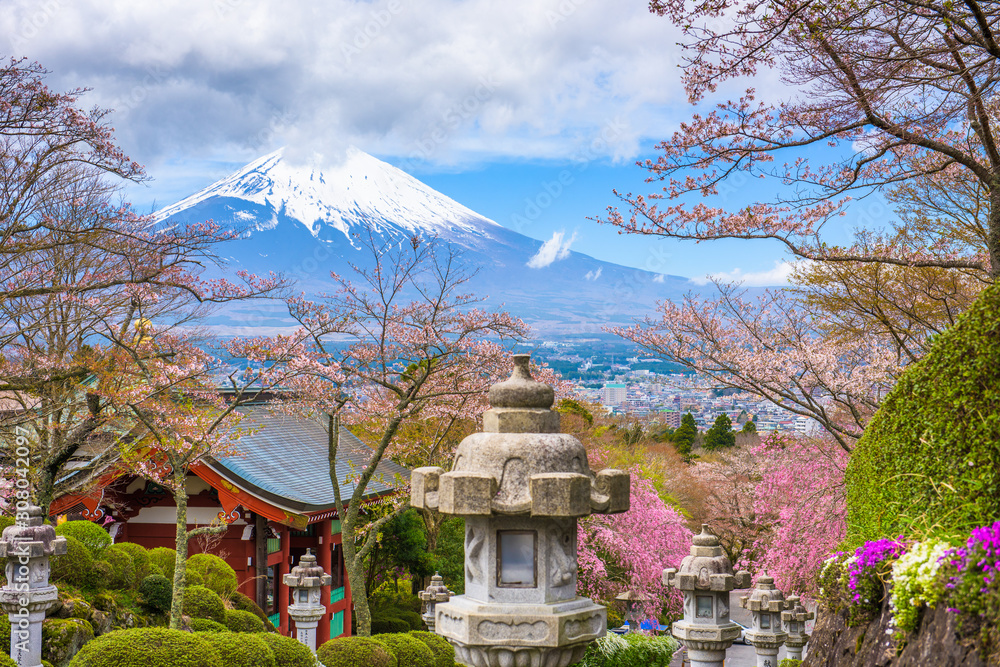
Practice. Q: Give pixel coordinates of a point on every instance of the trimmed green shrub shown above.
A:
(354, 651)
(156, 592)
(929, 460)
(206, 625)
(288, 652)
(92, 536)
(122, 567)
(242, 621)
(240, 650)
(139, 554)
(6, 661)
(214, 572)
(201, 602)
(389, 625)
(409, 651)
(147, 647)
(75, 565)
(412, 618)
(243, 603)
(444, 652)
(164, 559)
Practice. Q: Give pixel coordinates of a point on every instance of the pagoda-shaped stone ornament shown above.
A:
(765, 603)
(521, 486)
(306, 581)
(27, 546)
(793, 622)
(706, 578)
(435, 593)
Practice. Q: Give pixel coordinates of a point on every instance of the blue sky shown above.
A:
(527, 111)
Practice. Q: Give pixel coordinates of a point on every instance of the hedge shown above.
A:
(243, 603)
(148, 647)
(75, 565)
(240, 650)
(288, 652)
(122, 568)
(92, 536)
(214, 573)
(409, 651)
(156, 592)
(206, 625)
(164, 558)
(201, 602)
(444, 652)
(242, 621)
(930, 457)
(384, 625)
(354, 651)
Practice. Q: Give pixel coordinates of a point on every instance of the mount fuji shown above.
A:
(300, 221)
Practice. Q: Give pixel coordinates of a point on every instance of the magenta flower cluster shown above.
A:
(980, 554)
(867, 557)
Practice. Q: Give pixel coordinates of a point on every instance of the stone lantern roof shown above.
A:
(706, 568)
(307, 574)
(33, 540)
(436, 591)
(765, 596)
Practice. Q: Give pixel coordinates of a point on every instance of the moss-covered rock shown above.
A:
(931, 455)
(353, 651)
(148, 647)
(122, 567)
(74, 566)
(165, 559)
(243, 603)
(444, 652)
(214, 573)
(242, 621)
(201, 602)
(92, 536)
(409, 651)
(156, 592)
(62, 638)
(289, 652)
(240, 650)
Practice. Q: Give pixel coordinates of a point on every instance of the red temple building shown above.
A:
(277, 497)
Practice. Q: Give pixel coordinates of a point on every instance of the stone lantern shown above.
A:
(521, 486)
(306, 579)
(793, 622)
(705, 578)
(27, 546)
(633, 608)
(765, 603)
(435, 593)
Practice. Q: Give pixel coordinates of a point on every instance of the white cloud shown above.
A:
(552, 251)
(658, 278)
(777, 276)
(594, 275)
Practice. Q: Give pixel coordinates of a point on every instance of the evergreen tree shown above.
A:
(685, 434)
(749, 427)
(721, 434)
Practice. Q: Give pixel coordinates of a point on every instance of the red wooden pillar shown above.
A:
(286, 557)
(325, 560)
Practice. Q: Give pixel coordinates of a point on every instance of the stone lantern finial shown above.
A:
(521, 486)
(27, 546)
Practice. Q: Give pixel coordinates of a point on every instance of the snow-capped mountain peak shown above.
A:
(360, 190)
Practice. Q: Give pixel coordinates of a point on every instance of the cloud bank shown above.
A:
(551, 251)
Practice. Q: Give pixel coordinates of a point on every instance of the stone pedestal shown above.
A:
(27, 546)
(306, 581)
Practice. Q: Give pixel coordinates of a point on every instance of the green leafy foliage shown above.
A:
(354, 651)
(213, 572)
(409, 651)
(630, 650)
(202, 602)
(164, 558)
(240, 650)
(751, 427)
(288, 652)
(389, 624)
(685, 434)
(451, 553)
(147, 647)
(930, 457)
(122, 567)
(243, 603)
(568, 406)
(74, 566)
(721, 434)
(92, 536)
(789, 662)
(6, 661)
(156, 592)
(413, 618)
(444, 652)
(243, 621)
(205, 625)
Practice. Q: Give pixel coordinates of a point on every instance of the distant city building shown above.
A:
(615, 393)
(671, 418)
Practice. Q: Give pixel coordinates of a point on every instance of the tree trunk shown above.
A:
(181, 545)
(355, 575)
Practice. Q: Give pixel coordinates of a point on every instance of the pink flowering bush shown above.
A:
(972, 579)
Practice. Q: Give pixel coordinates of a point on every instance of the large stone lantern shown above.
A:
(793, 622)
(27, 546)
(706, 578)
(765, 603)
(435, 593)
(306, 581)
(521, 486)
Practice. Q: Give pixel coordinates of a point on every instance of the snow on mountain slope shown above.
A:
(361, 190)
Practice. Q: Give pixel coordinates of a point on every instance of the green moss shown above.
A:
(214, 573)
(156, 592)
(205, 625)
(164, 559)
(354, 651)
(63, 637)
(241, 650)
(92, 536)
(444, 652)
(288, 652)
(929, 460)
(148, 647)
(74, 566)
(409, 651)
(243, 621)
(201, 602)
(122, 567)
